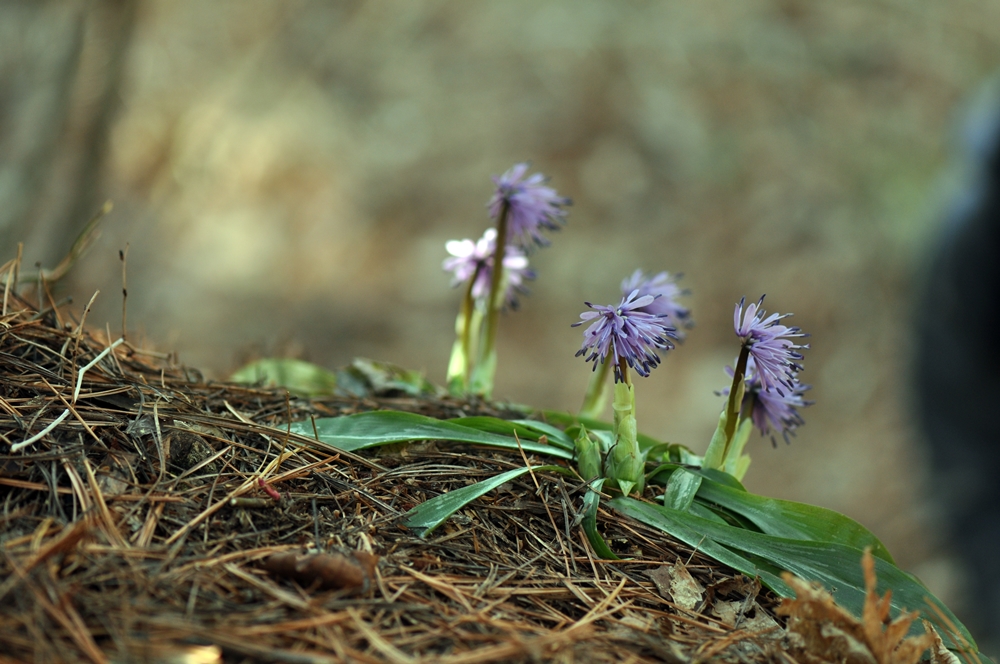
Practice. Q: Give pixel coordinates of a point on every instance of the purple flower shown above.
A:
(475, 259)
(531, 206)
(769, 408)
(770, 344)
(626, 332)
(666, 291)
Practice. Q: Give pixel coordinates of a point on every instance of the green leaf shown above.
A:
(495, 425)
(714, 455)
(424, 518)
(661, 475)
(698, 509)
(681, 489)
(736, 462)
(590, 503)
(684, 527)
(525, 429)
(555, 435)
(364, 430)
(721, 477)
(836, 566)
(298, 377)
(589, 461)
(784, 518)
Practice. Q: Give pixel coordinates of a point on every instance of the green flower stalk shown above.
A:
(486, 366)
(765, 390)
(626, 463)
(471, 263)
(522, 207)
(625, 337)
(467, 326)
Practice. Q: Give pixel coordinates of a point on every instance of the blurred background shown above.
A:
(285, 175)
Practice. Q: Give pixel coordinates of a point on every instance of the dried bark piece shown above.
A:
(354, 570)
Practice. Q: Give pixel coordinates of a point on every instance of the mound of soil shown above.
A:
(150, 515)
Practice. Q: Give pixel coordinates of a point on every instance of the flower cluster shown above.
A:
(494, 270)
(765, 394)
(474, 261)
(666, 291)
(770, 344)
(531, 206)
(771, 408)
(767, 407)
(626, 333)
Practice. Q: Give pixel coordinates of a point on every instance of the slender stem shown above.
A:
(462, 362)
(468, 304)
(493, 310)
(735, 396)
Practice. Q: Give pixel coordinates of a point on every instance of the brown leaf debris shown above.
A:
(832, 634)
(354, 571)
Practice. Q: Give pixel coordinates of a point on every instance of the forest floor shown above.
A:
(163, 518)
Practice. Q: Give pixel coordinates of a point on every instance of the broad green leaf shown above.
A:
(298, 377)
(523, 429)
(673, 523)
(698, 509)
(784, 518)
(424, 518)
(661, 475)
(836, 566)
(555, 435)
(364, 430)
(496, 425)
(681, 489)
(591, 500)
(721, 477)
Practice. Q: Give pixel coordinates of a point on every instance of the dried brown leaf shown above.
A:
(829, 631)
(939, 653)
(677, 582)
(352, 571)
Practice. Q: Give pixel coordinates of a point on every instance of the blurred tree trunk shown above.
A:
(61, 65)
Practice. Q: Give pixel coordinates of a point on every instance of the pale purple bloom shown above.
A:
(470, 259)
(532, 206)
(769, 408)
(770, 344)
(665, 289)
(625, 332)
